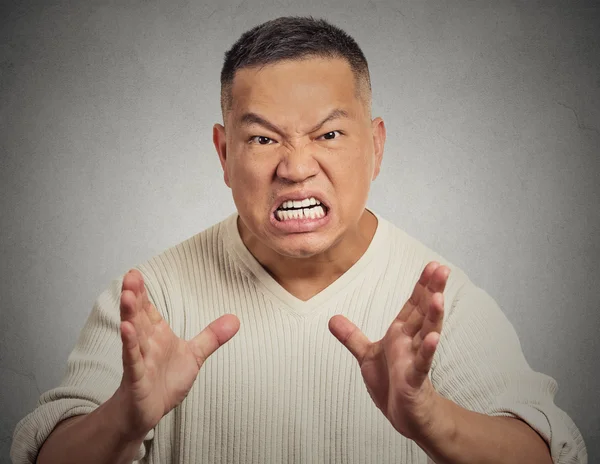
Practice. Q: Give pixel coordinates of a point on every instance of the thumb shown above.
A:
(350, 336)
(216, 334)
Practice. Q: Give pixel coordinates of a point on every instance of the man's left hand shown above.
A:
(395, 369)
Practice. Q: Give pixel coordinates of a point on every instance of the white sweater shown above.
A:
(284, 389)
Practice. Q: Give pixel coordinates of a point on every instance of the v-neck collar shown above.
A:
(249, 263)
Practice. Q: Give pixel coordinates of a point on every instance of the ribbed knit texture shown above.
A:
(284, 390)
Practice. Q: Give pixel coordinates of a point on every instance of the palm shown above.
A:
(395, 368)
(159, 368)
(170, 369)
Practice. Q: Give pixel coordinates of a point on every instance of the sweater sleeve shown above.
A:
(481, 367)
(94, 371)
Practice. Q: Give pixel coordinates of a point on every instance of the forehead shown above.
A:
(297, 88)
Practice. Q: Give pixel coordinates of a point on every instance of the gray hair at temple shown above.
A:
(293, 38)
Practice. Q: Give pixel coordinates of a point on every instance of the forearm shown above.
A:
(460, 436)
(94, 438)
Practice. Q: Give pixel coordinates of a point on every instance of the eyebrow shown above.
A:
(252, 118)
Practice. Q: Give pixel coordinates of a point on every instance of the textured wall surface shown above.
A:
(493, 160)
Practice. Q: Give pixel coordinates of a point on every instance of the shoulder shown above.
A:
(412, 255)
(185, 265)
(200, 247)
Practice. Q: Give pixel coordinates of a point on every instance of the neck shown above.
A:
(305, 277)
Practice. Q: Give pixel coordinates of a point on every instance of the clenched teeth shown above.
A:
(315, 212)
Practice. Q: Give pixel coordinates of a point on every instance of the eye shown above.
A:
(260, 140)
(331, 135)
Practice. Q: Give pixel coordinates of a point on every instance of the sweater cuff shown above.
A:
(566, 445)
(33, 430)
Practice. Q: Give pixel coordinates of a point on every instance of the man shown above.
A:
(446, 382)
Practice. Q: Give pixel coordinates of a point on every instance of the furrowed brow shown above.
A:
(248, 119)
(335, 114)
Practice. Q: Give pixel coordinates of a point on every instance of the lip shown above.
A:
(300, 225)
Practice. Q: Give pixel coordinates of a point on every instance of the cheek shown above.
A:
(251, 173)
(349, 165)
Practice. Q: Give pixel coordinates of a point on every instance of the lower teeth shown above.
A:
(315, 212)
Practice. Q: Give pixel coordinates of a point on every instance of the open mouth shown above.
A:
(307, 209)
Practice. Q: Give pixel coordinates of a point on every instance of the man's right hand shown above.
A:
(159, 368)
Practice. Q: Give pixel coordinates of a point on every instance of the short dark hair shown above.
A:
(291, 38)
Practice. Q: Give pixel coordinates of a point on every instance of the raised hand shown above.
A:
(395, 368)
(159, 368)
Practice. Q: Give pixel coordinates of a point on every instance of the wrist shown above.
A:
(115, 414)
(441, 425)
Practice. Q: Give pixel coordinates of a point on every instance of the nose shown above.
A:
(298, 164)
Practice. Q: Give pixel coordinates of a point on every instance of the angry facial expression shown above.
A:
(299, 152)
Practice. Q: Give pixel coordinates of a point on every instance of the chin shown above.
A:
(296, 247)
(298, 253)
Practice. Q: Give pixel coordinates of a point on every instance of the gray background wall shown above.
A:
(493, 117)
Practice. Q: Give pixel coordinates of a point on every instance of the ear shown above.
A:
(220, 142)
(379, 134)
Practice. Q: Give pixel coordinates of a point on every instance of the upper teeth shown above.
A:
(300, 203)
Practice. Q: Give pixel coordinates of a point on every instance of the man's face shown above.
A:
(298, 131)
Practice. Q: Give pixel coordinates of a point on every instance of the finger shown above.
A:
(418, 291)
(435, 285)
(438, 280)
(216, 334)
(131, 312)
(133, 362)
(153, 315)
(422, 363)
(432, 322)
(425, 318)
(134, 282)
(435, 315)
(414, 323)
(350, 336)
